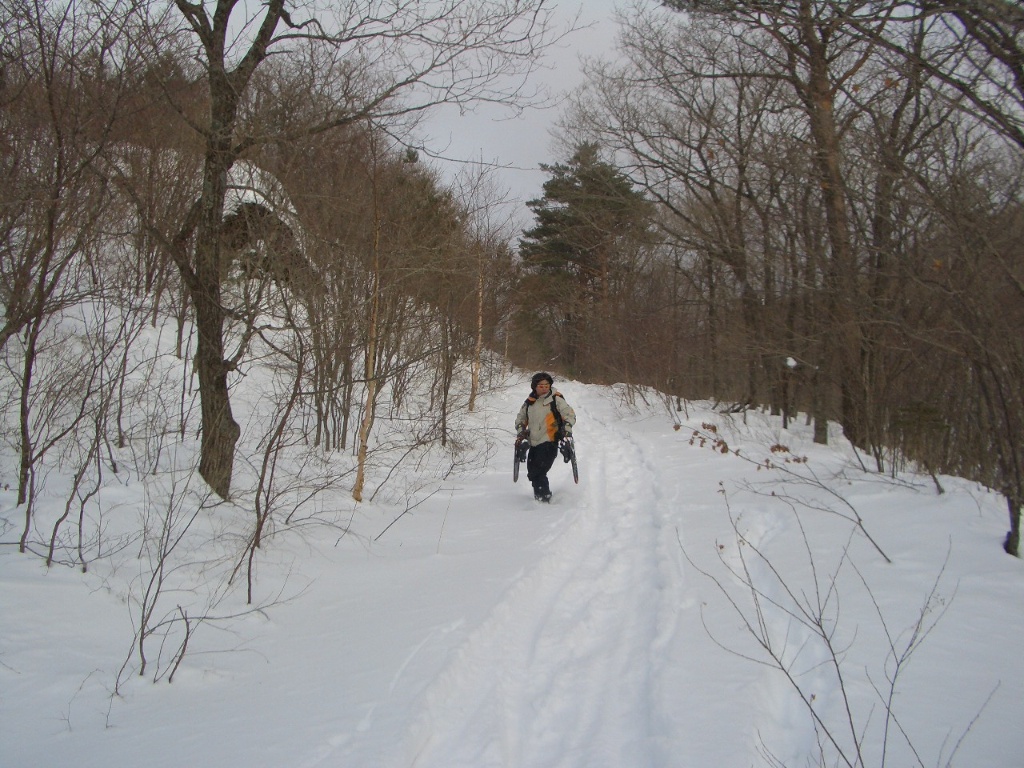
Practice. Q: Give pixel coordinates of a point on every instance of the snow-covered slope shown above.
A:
(611, 629)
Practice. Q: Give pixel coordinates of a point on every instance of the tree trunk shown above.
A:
(25, 471)
(845, 337)
(1012, 543)
(373, 332)
(479, 342)
(369, 407)
(220, 432)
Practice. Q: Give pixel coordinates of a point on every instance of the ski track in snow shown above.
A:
(576, 642)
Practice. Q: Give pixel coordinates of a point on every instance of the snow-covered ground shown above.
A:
(618, 627)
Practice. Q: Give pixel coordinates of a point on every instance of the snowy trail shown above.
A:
(485, 630)
(568, 662)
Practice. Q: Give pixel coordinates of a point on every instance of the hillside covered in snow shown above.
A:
(716, 591)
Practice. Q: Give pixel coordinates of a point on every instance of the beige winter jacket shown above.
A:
(535, 415)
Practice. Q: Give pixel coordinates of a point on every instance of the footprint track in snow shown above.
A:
(574, 641)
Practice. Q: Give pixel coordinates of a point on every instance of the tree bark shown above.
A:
(373, 332)
(478, 344)
(846, 337)
(220, 432)
(1012, 543)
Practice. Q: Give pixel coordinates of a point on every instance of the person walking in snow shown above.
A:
(544, 420)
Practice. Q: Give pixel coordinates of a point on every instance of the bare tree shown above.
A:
(796, 626)
(63, 77)
(60, 87)
(489, 227)
(703, 124)
(969, 421)
(971, 49)
(409, 264)
(367, 60)
(815, 53)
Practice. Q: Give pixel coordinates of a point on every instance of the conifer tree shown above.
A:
(590, 224)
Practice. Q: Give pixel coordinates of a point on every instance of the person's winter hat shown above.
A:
(538, 378)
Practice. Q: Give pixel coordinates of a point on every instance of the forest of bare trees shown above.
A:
(838, 211)
(813, 207)
(241, 175)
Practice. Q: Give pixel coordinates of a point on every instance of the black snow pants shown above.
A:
(538, 462)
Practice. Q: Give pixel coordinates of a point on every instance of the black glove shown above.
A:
(567, 448)
(522, 446)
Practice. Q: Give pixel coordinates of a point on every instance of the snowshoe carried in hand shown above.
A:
(568, 450)
(522, 449)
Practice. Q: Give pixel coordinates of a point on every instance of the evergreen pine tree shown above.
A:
(589, 224)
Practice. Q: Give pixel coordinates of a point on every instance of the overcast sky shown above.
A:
(522, 143)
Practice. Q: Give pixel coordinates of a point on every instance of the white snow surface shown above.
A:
(609, 629)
